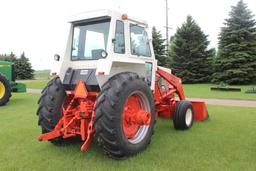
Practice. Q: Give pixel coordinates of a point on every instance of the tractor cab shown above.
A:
(102, 43)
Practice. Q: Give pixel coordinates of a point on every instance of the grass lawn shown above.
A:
(42, 75)
(34, 84)
(203, 91)
(225, 142)
(191, 90)
(40, 81)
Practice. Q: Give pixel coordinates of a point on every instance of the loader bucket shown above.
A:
(200, 110)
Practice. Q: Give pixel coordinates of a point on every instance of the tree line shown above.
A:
(189, 55)
(22, 67)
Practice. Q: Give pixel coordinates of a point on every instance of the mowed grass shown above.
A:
(40, 81)
(204, 91)
(224, 142)
(191, 90)
(42, 75)
(35, 84)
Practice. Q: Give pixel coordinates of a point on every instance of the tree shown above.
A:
(189, 55)
(236, 59)
(159, 47)
(23, 68)
(11, 57)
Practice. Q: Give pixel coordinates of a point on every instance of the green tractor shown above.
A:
(7, 82)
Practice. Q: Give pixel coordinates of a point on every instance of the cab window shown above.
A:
(139, 41)
(119, 43)
(89, 39)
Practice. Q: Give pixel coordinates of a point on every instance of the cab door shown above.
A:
(140, 46)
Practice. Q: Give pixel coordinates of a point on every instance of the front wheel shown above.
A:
(183, 116)
(124, 115)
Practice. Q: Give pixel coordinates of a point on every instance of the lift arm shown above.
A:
(174, 81)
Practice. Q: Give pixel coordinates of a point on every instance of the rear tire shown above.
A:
(183, 116)
(5, 90)
(49, 110)
(109, 115)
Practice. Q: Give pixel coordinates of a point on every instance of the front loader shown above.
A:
(110, 88)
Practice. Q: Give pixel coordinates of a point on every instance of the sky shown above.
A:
(40, 27)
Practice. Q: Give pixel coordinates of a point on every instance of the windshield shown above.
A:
(89, 40)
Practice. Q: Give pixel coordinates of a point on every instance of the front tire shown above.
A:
(183, 116)
(119, 137)
(5, 90)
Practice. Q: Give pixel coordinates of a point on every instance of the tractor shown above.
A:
(110, 89)
(7, 82)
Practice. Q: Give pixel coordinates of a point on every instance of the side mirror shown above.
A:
(113, 40)
(56, 57)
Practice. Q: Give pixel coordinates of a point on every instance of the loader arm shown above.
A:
(173, 80)
(166, 101)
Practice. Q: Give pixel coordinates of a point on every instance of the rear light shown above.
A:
(101, 73)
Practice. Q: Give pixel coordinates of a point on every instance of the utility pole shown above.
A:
(167, 27)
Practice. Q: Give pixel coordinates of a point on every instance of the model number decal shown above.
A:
(83, 72)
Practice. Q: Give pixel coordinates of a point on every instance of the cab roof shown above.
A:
(103, 13)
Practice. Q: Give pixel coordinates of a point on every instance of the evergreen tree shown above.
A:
(189, 56)
(13, 57)
(10, 58)
(159, 47)
(236, 59)
(23, 68)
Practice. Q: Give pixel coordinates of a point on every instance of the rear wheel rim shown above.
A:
(189, 116)
(2, 90)
(134, 132)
